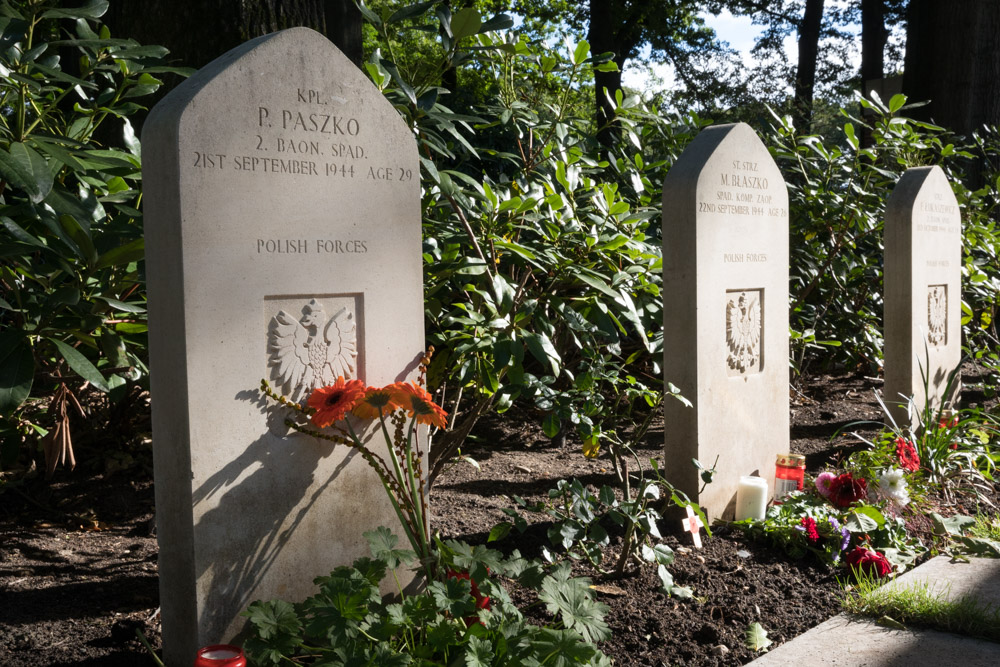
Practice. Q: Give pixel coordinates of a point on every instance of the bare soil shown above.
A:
(78, 570)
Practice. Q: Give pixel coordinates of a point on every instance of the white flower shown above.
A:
(892, 485)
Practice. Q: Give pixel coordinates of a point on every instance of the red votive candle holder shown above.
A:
(789, 475)
(220, 655)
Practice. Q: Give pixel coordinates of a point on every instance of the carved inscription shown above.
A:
(744, 257)
(311, 246)
(311, 346)
(741, 193)
(744, 331)
(937, 216)
(937, 315)
(309, 138)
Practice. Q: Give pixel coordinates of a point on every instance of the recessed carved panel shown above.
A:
(744, 331)
(937, 315)
(311, 341)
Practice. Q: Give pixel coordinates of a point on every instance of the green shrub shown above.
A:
(72, 308)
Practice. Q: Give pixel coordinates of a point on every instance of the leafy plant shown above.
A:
(577, 528)
(72, 312)
(348, 622)
(539, 253)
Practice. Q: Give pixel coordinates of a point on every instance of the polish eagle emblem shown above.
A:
(312, 351)
(743, 332)
(937, 315)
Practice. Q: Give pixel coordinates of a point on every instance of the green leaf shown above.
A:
(498, 22)
(18, 233)
(581, 52)
(80, 237)
(80, 364)
(756, 637)
(860, 523)
(121, 305)
(953, 525)
(17, 371)
(543, 350)
(454, 595)
(23, 168)
(597, 284)
(273, 618)
(465, 23)
(382, 543)
(132, 251)
(478, 653)
(92, 9)
(570, 598)
(562, 647)
(499, 531)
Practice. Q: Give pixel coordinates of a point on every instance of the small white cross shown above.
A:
(692, 524)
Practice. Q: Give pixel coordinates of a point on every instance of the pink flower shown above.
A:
(823, 483)
(869, 562)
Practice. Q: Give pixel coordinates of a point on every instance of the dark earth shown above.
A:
(78, 554)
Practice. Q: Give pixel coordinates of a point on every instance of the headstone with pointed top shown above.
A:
(725, 314)
(282, 216)
(923, 292)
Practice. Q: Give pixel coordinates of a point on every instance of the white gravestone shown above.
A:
(282, 214)
(725, 313)
(923, 290)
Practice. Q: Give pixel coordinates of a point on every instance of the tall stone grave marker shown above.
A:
(282, 241)
(923, 290)
(725, 313)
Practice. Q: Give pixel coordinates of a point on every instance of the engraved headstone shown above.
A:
(923, 291)
(725, 313)
(283, 242)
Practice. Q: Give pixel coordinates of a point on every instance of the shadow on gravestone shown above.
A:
(725, 314)
(282, 221)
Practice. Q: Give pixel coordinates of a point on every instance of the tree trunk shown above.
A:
(343, 27)
(601, 36)
(953, 61)
(198, 31)
(805, 73)
(873, 39)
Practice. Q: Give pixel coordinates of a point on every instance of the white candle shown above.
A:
(751, 498)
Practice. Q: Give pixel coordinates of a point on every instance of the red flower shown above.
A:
(482, 601)
(332, 403)
(809, 524)
(869, 562)
(907, 455)
(945, 422)
(845, 490)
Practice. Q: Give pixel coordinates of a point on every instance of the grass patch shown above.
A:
(919, 605)
(986, 527)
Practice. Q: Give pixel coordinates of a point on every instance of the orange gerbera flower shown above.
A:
(377, 401)
(332, 403)
(418, 403)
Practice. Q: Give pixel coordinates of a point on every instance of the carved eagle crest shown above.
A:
(312, 351)
(743, 332)
(937, 315)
